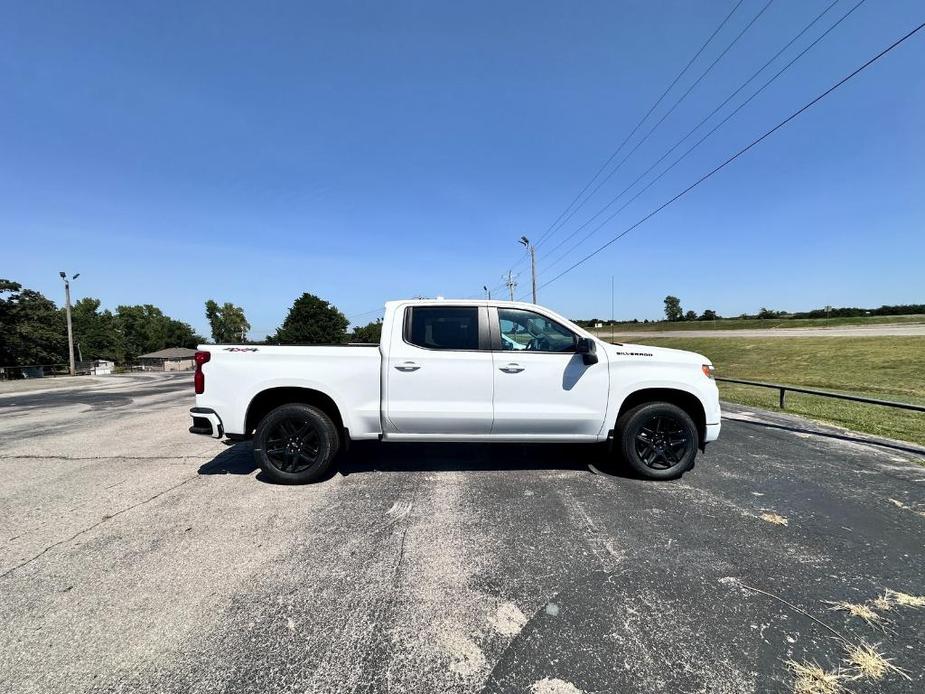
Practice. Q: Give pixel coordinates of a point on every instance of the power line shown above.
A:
(742, 151)
(642, 120)
(365, 313)
(671, 110)
(689, 133)
(552, 227)
(694, 129)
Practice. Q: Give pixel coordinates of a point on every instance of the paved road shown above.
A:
(137, 557)
(897, 329)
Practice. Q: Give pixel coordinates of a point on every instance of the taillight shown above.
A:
(199, 378)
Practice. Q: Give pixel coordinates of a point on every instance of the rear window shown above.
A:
(439, 327)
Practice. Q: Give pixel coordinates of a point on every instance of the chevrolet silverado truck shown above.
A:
(458, 371)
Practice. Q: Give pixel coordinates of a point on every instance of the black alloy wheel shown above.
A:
(292, 444)
(657, 440)
(662, 442)
(296, 443)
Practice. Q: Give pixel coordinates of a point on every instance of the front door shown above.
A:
(542, 387)
(440, 373)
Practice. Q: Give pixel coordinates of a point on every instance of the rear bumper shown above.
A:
(206, 422)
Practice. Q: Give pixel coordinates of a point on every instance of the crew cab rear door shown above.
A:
(439, 372)
(542, 387)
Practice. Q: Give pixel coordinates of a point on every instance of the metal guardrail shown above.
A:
(825, 394)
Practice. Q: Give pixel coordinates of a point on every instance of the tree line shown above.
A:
(674, 312)
(311, 321)
(33, 329)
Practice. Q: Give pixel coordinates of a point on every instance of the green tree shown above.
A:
(9, 292)
(227, 322)
(95, 331)
(32, 330)
(768, 313)
(180, 334)
(371, 332)
(690, 315)
(311, 321)
(708, 314)
(146, 328)
(673, 310)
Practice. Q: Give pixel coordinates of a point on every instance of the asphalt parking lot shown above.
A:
(138, 557)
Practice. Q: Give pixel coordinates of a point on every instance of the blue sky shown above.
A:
(364, 151)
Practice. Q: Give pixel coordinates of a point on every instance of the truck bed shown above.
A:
(349, 374)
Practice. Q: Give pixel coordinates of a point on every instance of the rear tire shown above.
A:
(296, 444)
(657, 440)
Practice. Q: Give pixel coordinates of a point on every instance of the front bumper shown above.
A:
(206, 422)
(712, 432)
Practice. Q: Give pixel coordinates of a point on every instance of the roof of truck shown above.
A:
(468, 302)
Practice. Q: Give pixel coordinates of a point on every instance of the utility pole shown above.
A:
(70, 329)
(510, 282)
(530, 247)
(611, 309)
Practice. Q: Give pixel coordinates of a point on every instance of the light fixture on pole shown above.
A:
(530, 247)
(487, 291)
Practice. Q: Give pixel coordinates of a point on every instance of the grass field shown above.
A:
(756, 324)
(891, 368)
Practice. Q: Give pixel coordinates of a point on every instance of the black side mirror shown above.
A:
(587, 348)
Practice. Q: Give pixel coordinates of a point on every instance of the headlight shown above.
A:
(707, 370)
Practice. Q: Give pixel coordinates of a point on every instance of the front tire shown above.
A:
(657, 440)
(296, 444)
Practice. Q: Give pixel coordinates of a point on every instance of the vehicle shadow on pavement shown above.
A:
(456, 457)
(373, 456)
(237, 459)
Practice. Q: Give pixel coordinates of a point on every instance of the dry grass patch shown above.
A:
(812, 679)
(869, 663)
(899, 504)
(774, 518)
(904, 599)
(858, 610)
(882, 603)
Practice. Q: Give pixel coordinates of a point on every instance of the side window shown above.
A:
(531, 332)
(449, 327)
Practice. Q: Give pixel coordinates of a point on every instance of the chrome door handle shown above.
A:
(408, 366)
(512, 369)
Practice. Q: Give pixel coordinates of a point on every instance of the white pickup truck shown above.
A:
(458, 371)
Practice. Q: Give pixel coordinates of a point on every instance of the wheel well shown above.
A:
(268, 400)
(686, 401)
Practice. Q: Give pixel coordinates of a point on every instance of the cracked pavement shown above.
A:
(139, 558)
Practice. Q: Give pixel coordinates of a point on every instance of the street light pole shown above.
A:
(487, 291)
(529, 246)
(70, 329)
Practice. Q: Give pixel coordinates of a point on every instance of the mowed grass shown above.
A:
(766, 324)
(888, 368)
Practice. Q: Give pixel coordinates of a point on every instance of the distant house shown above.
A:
(170, 359)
